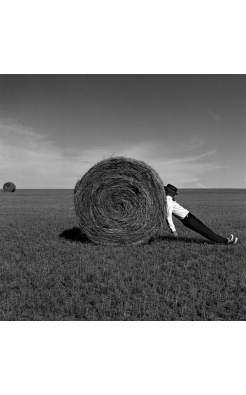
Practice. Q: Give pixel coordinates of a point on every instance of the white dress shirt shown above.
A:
(173, 208)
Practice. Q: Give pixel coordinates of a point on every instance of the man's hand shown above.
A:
(175, 234)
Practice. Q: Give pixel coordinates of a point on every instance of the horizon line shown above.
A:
(20, 189)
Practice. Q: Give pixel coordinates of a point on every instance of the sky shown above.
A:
(190, 128)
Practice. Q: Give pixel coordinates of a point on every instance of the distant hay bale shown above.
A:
(120, 201)
(9, 187)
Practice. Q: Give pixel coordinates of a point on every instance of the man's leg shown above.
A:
(193, 223)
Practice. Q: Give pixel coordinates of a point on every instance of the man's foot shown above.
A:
(232, 240)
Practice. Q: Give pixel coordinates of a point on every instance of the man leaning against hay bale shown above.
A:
(189, 220)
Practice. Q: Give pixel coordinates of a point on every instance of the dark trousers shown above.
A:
(193, 223)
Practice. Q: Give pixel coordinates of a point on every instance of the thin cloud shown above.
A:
(32, 160)
(217, 117)
(180, 163)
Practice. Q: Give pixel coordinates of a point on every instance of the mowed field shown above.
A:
(49, 271)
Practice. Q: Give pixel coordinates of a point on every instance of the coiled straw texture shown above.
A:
(9, 187)
(120, 201)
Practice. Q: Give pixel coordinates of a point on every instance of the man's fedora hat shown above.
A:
(171, 188)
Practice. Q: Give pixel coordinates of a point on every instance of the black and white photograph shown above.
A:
(123, 198)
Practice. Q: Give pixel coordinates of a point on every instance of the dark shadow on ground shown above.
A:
(187, 240)
(74, 234)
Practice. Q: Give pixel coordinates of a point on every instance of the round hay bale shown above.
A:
(9, 187)
(120, 201)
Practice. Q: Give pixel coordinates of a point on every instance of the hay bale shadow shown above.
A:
(75, 234)
(188, 240)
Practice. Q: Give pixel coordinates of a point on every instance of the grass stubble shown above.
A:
(50, 272)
